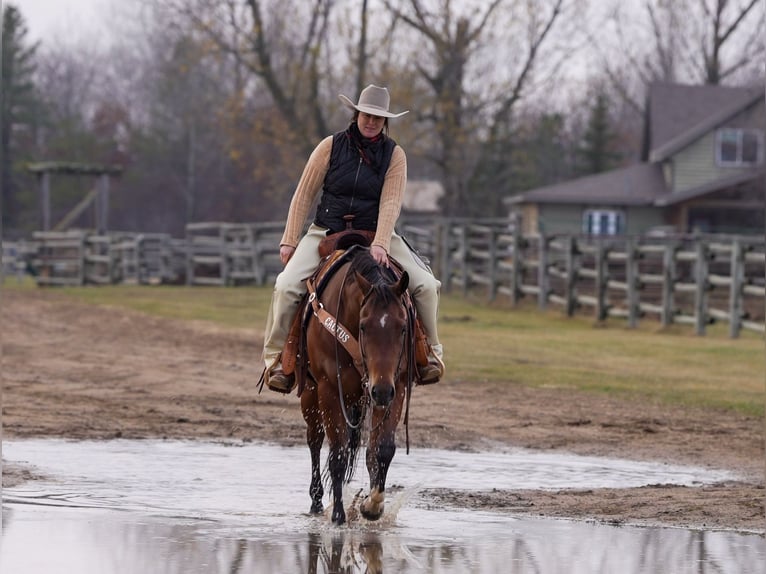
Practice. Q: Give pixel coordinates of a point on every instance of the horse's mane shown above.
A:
(380, 277)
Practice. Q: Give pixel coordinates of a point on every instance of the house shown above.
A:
(702, 169)
(421, 197)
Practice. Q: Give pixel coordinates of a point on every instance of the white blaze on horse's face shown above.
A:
(383, 321)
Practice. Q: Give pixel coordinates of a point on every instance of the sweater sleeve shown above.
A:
(391, 198)
(308, 188)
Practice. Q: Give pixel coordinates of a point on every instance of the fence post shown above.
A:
(464, 247)
(446, 254)
(492, 263)
(735, 288)
(633, 283)
(542, 272)
(700, 293)
(189, 258)
(518, 244)
(668, 282)
(570, 286)
(223, 237)
(602, 278)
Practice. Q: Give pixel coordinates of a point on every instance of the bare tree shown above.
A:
(280, 45)
(694, 41)
(482, 61)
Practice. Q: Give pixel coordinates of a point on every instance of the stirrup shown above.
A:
(278, 381)
(432, 372)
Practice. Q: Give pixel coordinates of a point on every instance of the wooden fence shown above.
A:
(681, 279)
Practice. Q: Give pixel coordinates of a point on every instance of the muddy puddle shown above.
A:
(167, 507)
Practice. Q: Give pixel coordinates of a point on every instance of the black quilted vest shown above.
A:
(353, 186)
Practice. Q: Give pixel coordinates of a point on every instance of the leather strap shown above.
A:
(341, 333)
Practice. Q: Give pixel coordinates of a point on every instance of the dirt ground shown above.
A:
(75, 371)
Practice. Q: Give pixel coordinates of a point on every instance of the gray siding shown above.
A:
(568, 218)
(639, 220)
(560, 218)
(696, 165)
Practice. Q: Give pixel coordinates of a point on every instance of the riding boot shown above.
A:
(278, 381)
(434, 370)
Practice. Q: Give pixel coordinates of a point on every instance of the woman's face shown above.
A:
(370, 125)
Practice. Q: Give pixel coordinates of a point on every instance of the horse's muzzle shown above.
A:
(382, 394)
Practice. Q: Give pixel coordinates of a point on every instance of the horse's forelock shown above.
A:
(379, 277)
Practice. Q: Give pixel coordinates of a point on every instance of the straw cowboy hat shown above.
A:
(373, 100)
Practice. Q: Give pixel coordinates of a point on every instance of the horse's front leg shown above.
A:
(380, 452)
(314, 438)
(379, 455)
(337, 463)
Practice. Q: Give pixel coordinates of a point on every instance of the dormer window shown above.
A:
(739, 147)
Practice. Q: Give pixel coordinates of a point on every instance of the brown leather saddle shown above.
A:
(336, 250)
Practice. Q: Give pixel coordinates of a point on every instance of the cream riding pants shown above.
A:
(290, 287)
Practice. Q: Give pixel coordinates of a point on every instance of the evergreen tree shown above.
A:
(18, 103)
(597, 150)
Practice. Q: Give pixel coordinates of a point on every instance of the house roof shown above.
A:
(640, 184)
(749, 176)
(678, 114)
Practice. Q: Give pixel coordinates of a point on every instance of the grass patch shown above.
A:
(521, 346)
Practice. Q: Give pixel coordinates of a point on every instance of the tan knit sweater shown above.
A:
(310, 185)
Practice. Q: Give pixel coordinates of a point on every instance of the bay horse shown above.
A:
(363, 306)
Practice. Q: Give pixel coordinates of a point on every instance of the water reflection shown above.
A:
(171, 508)
(91, 541)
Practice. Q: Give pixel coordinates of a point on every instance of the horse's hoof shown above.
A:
(339, 518)
(371, 515)
(316, 508)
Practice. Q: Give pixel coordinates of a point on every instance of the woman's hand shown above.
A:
(285, 253)
(379, 254)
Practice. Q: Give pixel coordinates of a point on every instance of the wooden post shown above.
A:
(102, 204)
(492, 263)
(517, 267)
(668, 283)
(224, 245)
(446, 255)
(632, 281)
(700, 293)
(464, 246)
(542, 272)
(571, 281)
(737, 275)
(602, 278)
(189, 256)
(45, 200)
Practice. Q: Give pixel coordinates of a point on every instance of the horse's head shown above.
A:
(383, 328)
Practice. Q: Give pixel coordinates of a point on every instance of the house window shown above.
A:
(603, 222)
(739, 147)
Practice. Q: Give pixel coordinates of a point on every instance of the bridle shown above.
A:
(365, 376)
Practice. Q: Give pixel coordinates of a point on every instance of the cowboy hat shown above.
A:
(373, 100)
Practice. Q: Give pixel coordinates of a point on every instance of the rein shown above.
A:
(360, 366)
(341, 333)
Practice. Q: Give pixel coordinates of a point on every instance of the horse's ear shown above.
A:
(363, 283)
(401, 285)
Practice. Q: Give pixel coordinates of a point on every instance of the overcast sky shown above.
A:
(60, 17)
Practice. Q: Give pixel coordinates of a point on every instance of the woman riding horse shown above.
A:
(362, 173)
